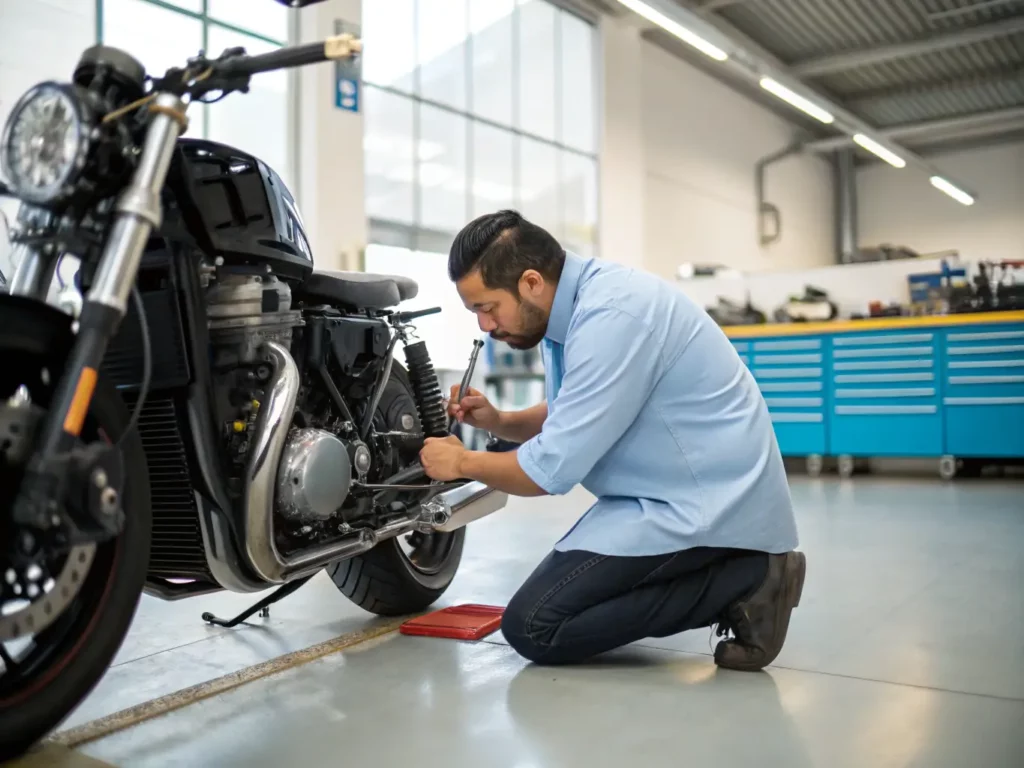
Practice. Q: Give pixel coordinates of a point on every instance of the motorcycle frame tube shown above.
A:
(272, 426)
(33, 275)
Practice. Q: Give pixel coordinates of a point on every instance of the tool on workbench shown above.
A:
(477, 346)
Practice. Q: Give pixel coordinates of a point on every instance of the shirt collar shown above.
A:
(565, 298)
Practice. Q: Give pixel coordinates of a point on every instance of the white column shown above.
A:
(623, 174)
(330, 149)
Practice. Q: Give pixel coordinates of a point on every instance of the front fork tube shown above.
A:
(137, 214)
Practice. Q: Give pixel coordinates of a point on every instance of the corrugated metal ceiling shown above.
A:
(945, 81)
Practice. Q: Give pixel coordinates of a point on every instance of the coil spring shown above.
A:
(426, 390)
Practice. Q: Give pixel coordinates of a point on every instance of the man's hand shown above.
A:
(441, 458)
(474, 409)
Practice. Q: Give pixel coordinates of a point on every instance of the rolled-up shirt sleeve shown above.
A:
(611, 368)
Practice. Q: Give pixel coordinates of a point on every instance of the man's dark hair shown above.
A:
(503, 246)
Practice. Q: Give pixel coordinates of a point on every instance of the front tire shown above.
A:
(388, 580)
(66, 660)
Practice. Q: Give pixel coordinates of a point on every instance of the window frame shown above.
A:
(416, 237)
(207, 21)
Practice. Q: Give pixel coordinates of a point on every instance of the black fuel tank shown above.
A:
(247, 213)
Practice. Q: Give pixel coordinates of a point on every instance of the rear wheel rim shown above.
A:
(427, 553)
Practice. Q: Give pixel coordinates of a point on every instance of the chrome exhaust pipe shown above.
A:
(273, 421)
(445, 512)
(457, 508)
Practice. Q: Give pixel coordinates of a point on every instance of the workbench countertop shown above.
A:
(871, 324)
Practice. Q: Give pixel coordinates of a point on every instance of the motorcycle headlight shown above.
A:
(45, 143)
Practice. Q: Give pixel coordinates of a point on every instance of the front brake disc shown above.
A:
(43, 609)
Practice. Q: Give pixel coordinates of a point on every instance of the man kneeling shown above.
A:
(650, 408)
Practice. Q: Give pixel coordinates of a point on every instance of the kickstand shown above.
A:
(263, 606)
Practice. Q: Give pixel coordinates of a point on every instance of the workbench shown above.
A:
(949, 387)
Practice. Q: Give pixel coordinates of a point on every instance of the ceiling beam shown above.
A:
(714, 5)
(999, 120)
(841, 62)
(992, 79)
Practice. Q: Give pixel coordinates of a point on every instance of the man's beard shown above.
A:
(534, 324)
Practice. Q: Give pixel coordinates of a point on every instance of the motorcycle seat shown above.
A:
(361, 290)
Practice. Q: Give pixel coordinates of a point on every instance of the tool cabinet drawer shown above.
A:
(983, 396)
(791, 374)
(885, 394)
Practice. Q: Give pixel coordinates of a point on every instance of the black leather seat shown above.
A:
(362, 290)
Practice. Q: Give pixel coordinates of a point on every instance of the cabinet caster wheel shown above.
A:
(947, 467)
(846, 466)
(815, 463)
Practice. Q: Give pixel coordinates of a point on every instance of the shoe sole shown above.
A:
(793, 577)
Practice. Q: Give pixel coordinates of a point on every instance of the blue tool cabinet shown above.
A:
(911, 387)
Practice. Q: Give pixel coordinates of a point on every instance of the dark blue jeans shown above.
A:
(578, 604)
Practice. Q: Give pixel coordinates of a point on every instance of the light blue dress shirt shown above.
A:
(651, 409)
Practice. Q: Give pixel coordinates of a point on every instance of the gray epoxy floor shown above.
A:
(906, 650)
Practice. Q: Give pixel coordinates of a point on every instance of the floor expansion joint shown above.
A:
(126, 718)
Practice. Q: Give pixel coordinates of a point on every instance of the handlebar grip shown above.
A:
(337, 47)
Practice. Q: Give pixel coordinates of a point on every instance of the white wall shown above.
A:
(900, 207)
(622, 176)
(330, 175)
(701, 143)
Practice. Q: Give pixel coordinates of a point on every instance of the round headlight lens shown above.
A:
(44, 143)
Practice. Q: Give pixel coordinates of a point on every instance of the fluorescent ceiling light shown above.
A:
(953, 191)
(795, 99)
(875, 148)
(675, 28)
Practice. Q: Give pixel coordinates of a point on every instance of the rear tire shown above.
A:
(81, 644)
(386, 581)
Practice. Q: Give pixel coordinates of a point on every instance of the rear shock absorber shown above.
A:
(426, 390)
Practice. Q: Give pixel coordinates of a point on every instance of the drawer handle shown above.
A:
(872, 393)
(786, 359)
(786, 346)
(983, 400)
(986, 379)
(993, 350)
(990, 336)
(793, 402)
(788, 373)
(885, 352)
(889, 410)
(986, 364)
(872, 378)
(815, 418)
(791, 386)
(887, 365)
(850, 341)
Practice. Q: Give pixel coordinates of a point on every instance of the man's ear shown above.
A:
(531, 283)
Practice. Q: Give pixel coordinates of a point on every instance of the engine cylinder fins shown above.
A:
(426, 389)
(314, 477)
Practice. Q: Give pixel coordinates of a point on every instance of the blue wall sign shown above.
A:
(348, 73)
(347, 94)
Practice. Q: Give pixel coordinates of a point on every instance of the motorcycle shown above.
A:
(220, 415)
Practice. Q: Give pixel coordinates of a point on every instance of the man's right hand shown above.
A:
(474, 409)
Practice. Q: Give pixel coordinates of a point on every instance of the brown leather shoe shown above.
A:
(759, 622)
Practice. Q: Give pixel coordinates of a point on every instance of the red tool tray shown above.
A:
(460, 622)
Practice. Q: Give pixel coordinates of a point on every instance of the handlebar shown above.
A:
(337, 47)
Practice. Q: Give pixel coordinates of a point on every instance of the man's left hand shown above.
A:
(441, 457)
